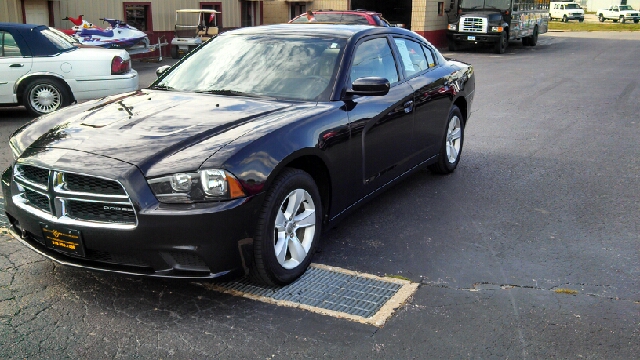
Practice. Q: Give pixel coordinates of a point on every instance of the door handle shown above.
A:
(16, 65)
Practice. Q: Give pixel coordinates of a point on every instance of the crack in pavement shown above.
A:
(489, 286)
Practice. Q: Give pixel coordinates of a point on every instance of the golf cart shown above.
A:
(193, 27)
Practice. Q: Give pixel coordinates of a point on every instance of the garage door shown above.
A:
(37, 12)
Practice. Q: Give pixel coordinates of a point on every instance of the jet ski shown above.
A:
(118, 35)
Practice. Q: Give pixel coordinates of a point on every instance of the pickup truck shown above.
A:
(619, 12)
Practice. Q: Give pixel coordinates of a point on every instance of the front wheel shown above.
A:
(174, 52)
(501, 45)
(288, 229)
(42, 96)
(453, 46)
(600, 18)
(636, 21)
(449, 155)
(622, 19)
(565, 18)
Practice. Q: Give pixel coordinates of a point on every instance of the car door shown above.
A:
(381, 125)
(14, 63)
(431, 95)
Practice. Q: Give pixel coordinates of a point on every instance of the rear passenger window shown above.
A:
(413, 57)
(8, 46)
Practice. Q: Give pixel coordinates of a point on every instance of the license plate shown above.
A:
(472, 38)
(64, 240)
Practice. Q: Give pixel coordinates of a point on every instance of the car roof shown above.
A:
(19, 27)
(319, 29)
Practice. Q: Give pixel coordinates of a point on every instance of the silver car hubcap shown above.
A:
(454, 138)
(45, 98)
(295, 227)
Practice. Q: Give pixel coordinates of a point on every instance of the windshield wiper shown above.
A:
(162, 87)
(228, 92)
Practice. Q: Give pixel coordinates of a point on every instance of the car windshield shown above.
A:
(278, 66)
(338, 18)
(572, 6)
(486, 4)
(59, 42)
(626, 7)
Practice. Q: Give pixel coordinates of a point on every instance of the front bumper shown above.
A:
(205, 240)
(462, 37)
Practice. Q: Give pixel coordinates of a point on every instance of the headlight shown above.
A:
(453, 27)
(205, 185)
(497, 29)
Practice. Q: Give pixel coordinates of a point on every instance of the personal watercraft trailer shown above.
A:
(193, 27)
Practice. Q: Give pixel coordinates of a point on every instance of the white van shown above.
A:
(566, 11)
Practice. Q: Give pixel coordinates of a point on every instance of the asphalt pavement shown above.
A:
(529, 250)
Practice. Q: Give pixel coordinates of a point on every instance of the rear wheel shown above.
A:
(533, 39)
(600, 18)
(288, 229)
(453, 46)
(636, 21)
(449, 155)
(44, 95)
(501, 45)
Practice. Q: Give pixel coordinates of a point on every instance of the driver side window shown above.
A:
(374, 58)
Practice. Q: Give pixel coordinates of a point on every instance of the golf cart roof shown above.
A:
(197, 11)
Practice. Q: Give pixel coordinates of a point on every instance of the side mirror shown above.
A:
(161, 70)
(370, 86)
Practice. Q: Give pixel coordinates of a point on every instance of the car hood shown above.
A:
(148, 126)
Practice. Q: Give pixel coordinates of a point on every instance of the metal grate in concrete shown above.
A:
(333, 291)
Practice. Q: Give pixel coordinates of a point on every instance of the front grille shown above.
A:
(94, 185)
(102, 212)
(37, 200)
(112, 258)
(78, 197)
(472, 24)
(35, 174)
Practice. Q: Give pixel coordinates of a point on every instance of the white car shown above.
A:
(44, 72)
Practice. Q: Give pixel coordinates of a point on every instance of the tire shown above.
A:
(501, 45)
(600, 18)
(565, 18)
(45, 95)
(453, 46)
(636, 21)
(451, 148)
(622, 20)
(525, 41)
(533, 39)
(293, 195)
(580, 20)
(174, 52)
(615, 20)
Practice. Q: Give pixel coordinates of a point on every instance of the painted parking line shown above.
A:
(331, 291)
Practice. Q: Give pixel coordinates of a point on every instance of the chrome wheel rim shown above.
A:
(45, 98)
(454, 139)
(295, 227)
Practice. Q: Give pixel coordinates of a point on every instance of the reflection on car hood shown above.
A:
(145, 127)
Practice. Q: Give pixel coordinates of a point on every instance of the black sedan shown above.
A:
(237, 157)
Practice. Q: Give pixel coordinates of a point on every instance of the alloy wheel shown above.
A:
(453, 140)
(295, 227)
